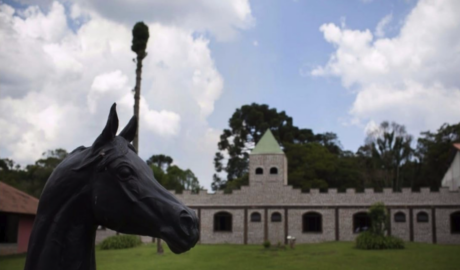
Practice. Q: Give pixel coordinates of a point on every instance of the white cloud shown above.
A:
(383, 23)
(58, 84)
(412, 78)
(221, 18)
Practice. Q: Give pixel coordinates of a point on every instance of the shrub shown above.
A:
(368, 240)
(266, 244)
(120, 242)
(379, 218)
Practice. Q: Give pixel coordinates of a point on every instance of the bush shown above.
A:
(379, 218)
(120, 242)
(368, 240)
(266, 244)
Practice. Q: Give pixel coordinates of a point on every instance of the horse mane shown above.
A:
(67, 182)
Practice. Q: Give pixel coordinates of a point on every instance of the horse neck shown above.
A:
(65, 240)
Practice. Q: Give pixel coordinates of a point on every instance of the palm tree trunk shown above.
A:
(137, 96)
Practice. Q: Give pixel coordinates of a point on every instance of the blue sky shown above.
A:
(334, 66)
(289, 44)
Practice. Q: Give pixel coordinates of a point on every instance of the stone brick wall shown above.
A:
(423, 230)
(209, 236)
(266, 162)
(443, 230)
(278, 194)
(295, 226)
(274, 195)
(276, 229)
(256, 229)
(400, 229)
(346, 232)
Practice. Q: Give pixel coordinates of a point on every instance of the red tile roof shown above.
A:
(15, 201)
(457, 145)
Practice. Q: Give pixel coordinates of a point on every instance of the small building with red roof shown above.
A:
(17, 214)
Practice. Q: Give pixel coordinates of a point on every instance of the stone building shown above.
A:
(270, 209)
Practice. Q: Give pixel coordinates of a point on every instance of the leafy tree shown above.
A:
(161, 161)
(139, 45)
(236, 183)
(310, 165)
(389, 146)
(32, 178)
(174, 178)
(246, 127)
(433, 154)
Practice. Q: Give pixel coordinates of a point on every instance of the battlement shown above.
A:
(326, 192)
(279, 194)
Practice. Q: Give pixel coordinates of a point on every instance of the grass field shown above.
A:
(334, 255)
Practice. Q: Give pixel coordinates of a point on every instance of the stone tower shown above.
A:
(267, 162)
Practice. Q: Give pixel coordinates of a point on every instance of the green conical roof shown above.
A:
(267, 145)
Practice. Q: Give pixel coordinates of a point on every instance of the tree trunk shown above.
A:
(137, 96)
(159, 247)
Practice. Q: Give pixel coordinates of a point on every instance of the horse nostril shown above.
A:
(186, 223)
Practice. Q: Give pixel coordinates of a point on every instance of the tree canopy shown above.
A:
(246, 127)
(171, 176)
(140, 38)
(388, 157)
(32, 178)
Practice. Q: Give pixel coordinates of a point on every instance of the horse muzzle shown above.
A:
(183, 236)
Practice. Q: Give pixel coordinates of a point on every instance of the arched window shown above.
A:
(455, 222)
(400, 217)
(361, 222)
(222, 222)
(256, 217)
(276, 217)
(273, 170)
(312, 222)
(259, 171)
(422, 217)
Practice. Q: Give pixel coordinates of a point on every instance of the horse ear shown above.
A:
(110, 129)
(129, 132)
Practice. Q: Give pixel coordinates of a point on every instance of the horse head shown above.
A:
(106, 184)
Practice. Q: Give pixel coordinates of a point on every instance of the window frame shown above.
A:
(422, 214)
(259, 171)
(276, 214)
(400, 214)
(222, 214)
(254, 214)
(312, 214)
(273, 171)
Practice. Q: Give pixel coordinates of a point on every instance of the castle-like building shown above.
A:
(270, 209)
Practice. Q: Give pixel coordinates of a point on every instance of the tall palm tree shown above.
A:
(139, 44)
(391, 147)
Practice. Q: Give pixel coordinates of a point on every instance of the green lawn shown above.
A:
(334, 255)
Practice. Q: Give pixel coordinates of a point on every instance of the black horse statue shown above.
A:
(106, 184)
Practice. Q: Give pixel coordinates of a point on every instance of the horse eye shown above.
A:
(124, 172)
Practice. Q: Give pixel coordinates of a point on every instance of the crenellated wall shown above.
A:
(278, 194)
(336, 209)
